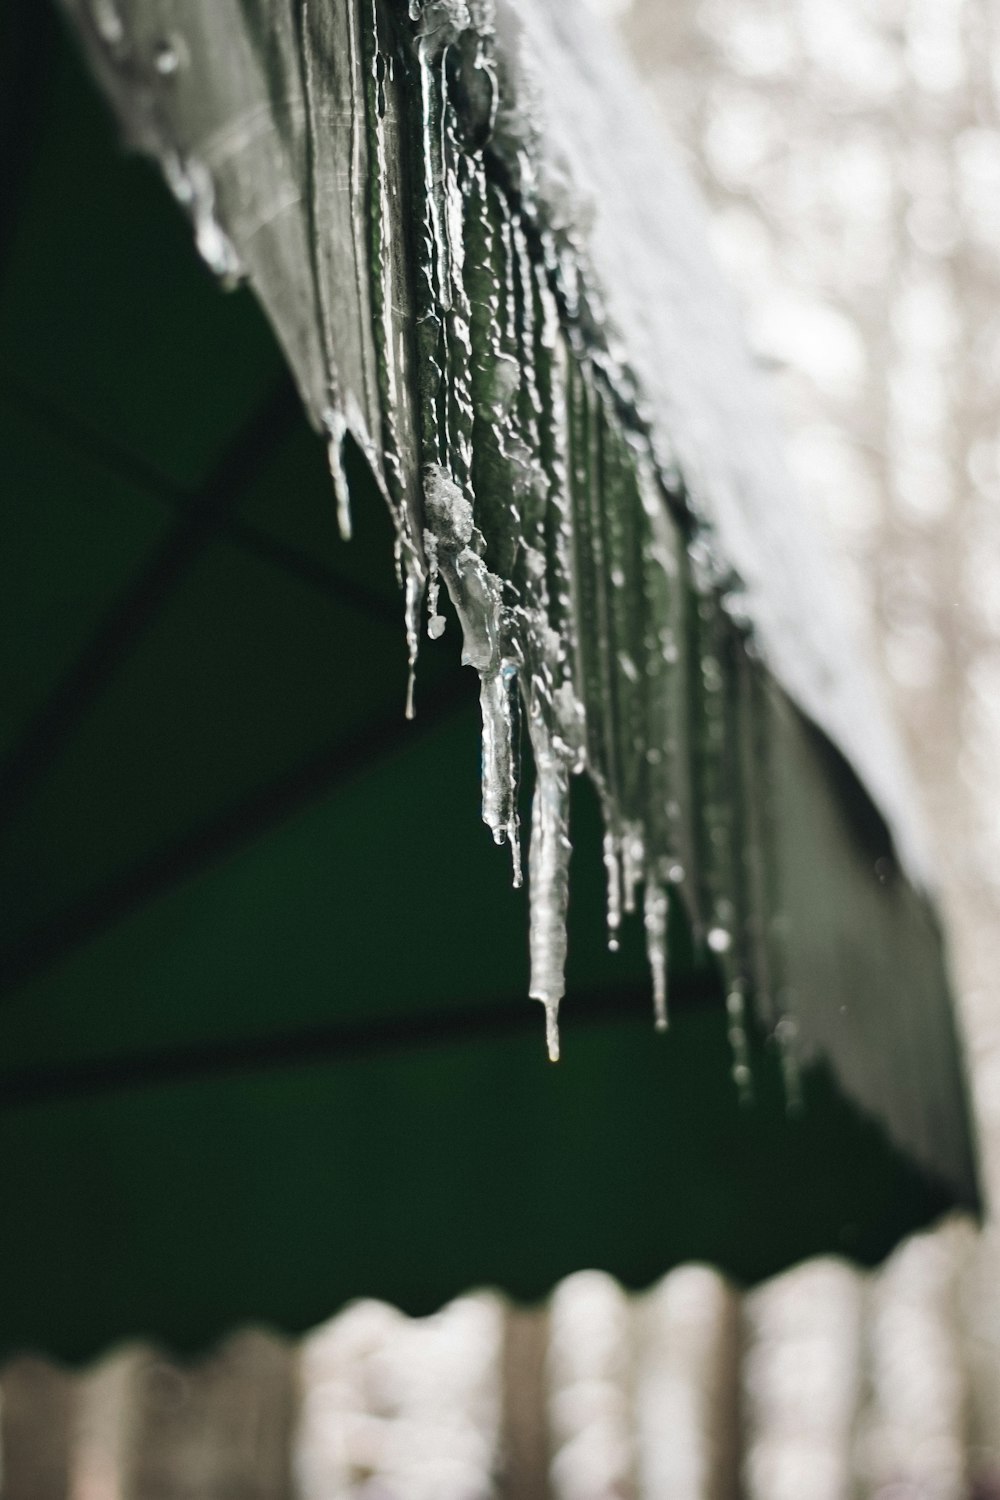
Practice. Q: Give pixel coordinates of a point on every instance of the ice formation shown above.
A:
(408, 200)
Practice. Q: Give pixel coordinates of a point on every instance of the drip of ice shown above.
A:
(633, 855)
(336, 427)
(612, 865)
(193, 186)
(167, 56)
(498, 702)
(109, 25)
(453, 544)
(786, 1034)
(414, 592)
(435, 621)
(738, 1045)
(655, 914)
(549, 879)
(440, 23)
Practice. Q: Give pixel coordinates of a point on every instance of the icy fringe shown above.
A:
(589, 599)
(457, 336)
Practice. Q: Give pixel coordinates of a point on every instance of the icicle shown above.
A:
(656, 913)
(435, 621)
(451, 550)
(740, 1052)
(498, 701)
(719, 939)
(391, 295)
(168, 52)
(414, 593)
(549, 886)
(441, 23)
(517, 866)
(109, 26)
(633, 856)
(612, 864)
(474, 590)
(192, 185)
(756, 793)
(336, 427)
(786, 1034)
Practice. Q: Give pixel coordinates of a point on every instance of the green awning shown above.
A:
(266, 1040)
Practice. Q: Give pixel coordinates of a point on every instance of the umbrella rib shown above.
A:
(186, 857)
(132, 613)
(244, 534)
(311, 571)
(111, 456)
(330, 1042)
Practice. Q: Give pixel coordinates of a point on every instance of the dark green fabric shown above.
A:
(264, 1044)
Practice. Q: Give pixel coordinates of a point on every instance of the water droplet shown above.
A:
(786, 1035)
(743, 1079)
(167, 56)
(552, 1029)
(612, 866)
(549, 885)
(109, 26)
(193, 186)
(656, 913)
(719, 940)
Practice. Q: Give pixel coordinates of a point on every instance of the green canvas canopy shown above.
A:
(266, 1036)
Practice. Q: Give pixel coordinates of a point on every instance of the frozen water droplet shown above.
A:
(414, 593)
(216, 248)
(192, 185)
(612, 865)
(632, 856)
(743, 1079)
(786, 1034)
(552, 1029)
(434, 630)
(736, 1010)
(655, 915)
(719, 940)
(109, 26)
(167, 54)
(549, 870)
(517, 872)
(448, 511)
(336, 428)
(628, 666)
(498, 703)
